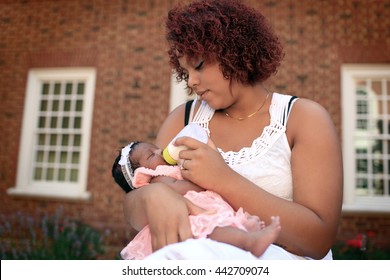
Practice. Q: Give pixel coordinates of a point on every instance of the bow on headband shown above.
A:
(124, 162)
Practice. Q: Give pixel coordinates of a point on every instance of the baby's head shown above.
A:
(134, 155)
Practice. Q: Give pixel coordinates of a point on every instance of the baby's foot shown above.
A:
(259, 241)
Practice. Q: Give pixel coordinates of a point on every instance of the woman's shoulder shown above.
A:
(308, 116)
(304, 108)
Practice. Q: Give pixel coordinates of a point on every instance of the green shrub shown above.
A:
(52, 238)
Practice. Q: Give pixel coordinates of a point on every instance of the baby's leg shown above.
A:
(255, 242)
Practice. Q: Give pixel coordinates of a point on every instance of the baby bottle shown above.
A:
(171, 152)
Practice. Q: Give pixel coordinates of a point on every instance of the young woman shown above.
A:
(277, 155)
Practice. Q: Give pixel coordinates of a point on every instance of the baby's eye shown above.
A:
(150, 155)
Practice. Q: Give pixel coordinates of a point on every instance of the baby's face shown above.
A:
(148, 155)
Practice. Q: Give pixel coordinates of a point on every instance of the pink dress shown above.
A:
(219, 214)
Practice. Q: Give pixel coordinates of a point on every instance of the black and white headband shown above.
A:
(124, 162)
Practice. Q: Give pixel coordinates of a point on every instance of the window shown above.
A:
(54, 150)
(366, 137)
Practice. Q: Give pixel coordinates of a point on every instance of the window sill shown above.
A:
(359, 208)
(68, 195)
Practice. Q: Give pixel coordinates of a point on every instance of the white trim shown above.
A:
(349, 73)
(178, 93)
(25, 185)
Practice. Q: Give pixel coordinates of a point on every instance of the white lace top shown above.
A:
(267, 162)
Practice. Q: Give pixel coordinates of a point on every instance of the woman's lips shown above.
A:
(201, 93)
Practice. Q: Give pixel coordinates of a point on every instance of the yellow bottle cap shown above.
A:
(167, 157)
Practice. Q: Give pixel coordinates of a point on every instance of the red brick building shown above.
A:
(103, 79)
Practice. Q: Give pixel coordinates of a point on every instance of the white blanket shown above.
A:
(207, 249)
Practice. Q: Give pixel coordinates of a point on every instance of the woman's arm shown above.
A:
(161, 207)
(179, 186)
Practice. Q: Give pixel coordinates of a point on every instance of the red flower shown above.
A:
(357, 242)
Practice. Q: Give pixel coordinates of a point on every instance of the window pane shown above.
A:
(361, 124)
(376, 86)
(65, 140)
(378, 187)
(55, 106)
(361, 166)
(38, 173)
(77, 140)
(41, 122)
(40, 155)
(75, 157)
(77, 122)
(379, 125)
(362, 107)
(50, 174)
(80, 88)
(74, 175)
(67, 104)
(53, 139)
(388, 166)
(43, 106)
(361, 186)
(61, 174)
(52, 156)
(63, 157)
(57, 88)
(388, 147)
(68, 89)
(377, 147)
(377, 166)
(388, 87)
(41, 139)
(65, 122)
(45, 89)
(53, 122)
(79, 105)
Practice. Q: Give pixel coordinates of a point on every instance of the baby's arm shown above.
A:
(179, 186)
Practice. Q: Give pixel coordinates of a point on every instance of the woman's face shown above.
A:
(207, 81)
(147, 155)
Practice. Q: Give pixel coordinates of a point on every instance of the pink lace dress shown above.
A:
(219, 213)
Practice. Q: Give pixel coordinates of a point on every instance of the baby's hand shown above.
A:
(194, 209)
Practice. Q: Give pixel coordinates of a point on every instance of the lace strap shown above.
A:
(288, 108)
(203, 116)
(281, 107)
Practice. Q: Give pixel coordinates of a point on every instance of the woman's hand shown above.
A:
(202, 164)
(167, 214)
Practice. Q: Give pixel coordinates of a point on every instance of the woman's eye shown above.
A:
(199, 66)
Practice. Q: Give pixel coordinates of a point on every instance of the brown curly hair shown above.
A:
(237, 36)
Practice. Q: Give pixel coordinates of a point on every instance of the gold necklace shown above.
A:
(250, 115)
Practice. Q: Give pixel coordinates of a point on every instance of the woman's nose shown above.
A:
(193, 80)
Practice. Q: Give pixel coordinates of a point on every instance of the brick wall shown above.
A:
(124, 40)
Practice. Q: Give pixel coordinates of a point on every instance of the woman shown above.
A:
(277, 155)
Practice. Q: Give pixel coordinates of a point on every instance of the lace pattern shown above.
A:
(267, 162)
(260, 146)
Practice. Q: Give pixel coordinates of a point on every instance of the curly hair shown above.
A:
(238, 37)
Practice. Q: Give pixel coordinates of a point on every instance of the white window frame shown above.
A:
(349, 73)
(178, 94)
(25, 184)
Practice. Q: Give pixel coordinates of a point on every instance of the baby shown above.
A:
(141, 163)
